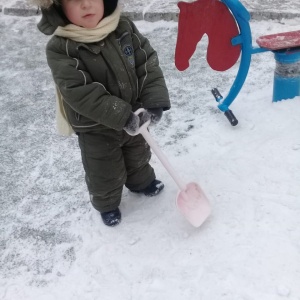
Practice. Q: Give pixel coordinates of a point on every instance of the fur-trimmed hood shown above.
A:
(109, 4)
(53, 16)
(44, 3)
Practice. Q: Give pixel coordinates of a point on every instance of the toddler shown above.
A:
(104, 69)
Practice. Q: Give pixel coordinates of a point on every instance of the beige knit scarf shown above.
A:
(83, 35)
(90, 35)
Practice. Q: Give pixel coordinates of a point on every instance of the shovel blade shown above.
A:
(193, 204)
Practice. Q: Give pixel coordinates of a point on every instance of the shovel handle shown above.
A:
(161, 156)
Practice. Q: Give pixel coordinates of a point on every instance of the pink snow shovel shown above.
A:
(191, 201)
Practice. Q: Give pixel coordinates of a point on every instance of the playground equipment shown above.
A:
(226, 22)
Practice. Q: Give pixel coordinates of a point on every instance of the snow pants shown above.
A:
(111, 159)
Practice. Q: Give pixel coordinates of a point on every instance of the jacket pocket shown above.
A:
(77, 116)
(78, 121)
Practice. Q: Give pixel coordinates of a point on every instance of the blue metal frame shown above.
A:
(244, 39)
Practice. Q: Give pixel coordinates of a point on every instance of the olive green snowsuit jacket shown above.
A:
(101, 83)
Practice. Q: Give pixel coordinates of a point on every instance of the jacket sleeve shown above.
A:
(81, 94)
(153, 91)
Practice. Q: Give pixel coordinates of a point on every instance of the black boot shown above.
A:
(111, 218)
(152, 189)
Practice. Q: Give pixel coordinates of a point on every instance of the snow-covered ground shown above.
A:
(53, 244)
(270, 8)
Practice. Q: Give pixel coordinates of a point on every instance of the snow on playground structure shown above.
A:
(226, 22)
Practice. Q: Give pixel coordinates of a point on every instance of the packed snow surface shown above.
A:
(53, 244)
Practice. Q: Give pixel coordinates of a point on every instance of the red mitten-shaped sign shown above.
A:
(211, 17)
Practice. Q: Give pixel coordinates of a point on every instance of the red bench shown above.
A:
(286, 49)
(279, 41)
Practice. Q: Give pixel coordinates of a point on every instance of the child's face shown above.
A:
(84, 13)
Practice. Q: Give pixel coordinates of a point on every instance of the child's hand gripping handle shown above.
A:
(137, 120)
